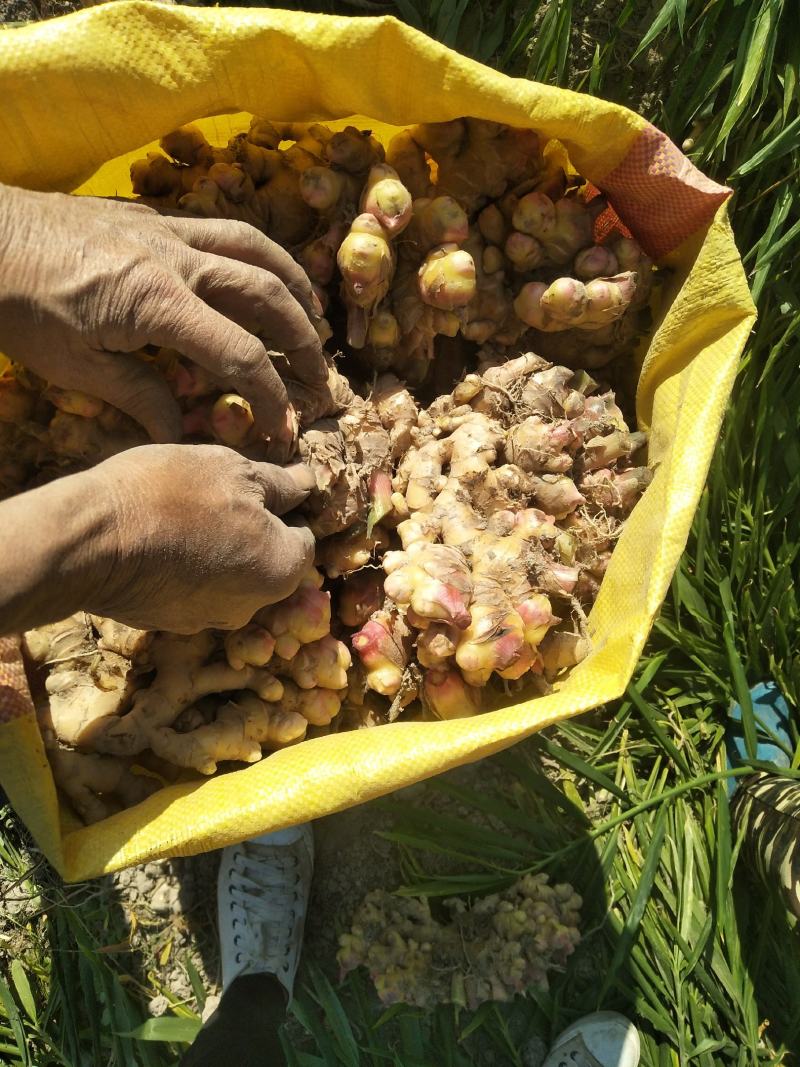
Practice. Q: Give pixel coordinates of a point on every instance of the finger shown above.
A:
(202, 334)
(261, 303)
(122, 202)
(284, 488)
(243, 242)
(292, 552)
(139, 391)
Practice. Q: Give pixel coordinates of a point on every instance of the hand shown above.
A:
(85, 281)
(161, 537)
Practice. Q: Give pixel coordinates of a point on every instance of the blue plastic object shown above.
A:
(772, 730)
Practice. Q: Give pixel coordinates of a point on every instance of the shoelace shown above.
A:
(262, 902)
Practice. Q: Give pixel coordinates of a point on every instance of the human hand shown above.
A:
(85, 281)
(194, 539)
(161, 537)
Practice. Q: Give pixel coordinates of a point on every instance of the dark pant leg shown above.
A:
(767, 808)
(243, 1031)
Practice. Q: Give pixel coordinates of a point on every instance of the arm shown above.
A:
(161, 537)
(52, 553)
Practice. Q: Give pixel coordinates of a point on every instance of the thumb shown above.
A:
(284, 488)
(293, 548)
(139, 391)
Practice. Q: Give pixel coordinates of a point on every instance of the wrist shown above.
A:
(23, 219)
(57, 555)
(11, 211)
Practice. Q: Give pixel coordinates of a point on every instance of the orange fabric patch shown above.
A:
(15, 697)
(666, 198)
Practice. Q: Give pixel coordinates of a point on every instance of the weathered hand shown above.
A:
(162, 537)
(84, 282)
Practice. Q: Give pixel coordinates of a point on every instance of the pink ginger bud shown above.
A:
(595, 261)
(382, 655)
(440, 221)
(322, 663)
(493, 641)
(231, 419)
(190, 380)
(448, 695)
(565, 300)
(366, 264)
(565, 577)
(529, 308)
(524, 251)
(537, 616)
(300, 619)
(535, 214)
(572, 231)
(319, 261)
(527, 661)
(434, 579)
(387, 199)
(321, 187)
(232, 179)
(629, 255)
(607, 299)
(447, 278)
(251, 646)
(380, 494)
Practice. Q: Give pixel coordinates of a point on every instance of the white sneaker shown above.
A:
(262, 900)
(604, 1039)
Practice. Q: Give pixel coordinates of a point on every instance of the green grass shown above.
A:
(72, 992)
(628, 803)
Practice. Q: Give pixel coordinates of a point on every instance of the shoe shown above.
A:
(262, 899)
(773, 734)
(604, 1039)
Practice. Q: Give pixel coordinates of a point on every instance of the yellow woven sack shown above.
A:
(84, 94)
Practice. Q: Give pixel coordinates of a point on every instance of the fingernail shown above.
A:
(302, 476)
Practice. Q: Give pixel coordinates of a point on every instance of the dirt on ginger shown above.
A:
(471, 476)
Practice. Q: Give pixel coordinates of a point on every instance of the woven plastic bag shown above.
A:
(85, 94)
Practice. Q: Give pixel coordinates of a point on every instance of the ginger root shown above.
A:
(183, 675)
(463, 528)
(97, 786)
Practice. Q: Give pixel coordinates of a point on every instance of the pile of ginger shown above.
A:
(473, 468)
